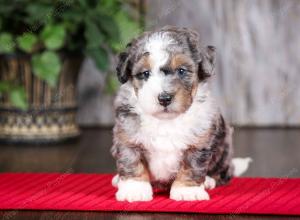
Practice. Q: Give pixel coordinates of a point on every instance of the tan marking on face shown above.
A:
(179, 60)
(184, 95)
(142, 65)
(183, 98)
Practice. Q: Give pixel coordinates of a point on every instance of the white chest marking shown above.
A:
(165, 144)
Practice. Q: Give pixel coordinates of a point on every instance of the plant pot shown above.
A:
(51, 116)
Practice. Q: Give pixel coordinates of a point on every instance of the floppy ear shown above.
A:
(205, 55)
(123, 67)
(207, 63)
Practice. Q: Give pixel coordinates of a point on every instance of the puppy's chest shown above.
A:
(165, 143)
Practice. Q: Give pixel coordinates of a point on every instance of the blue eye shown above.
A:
(182, 72)
(143, 75)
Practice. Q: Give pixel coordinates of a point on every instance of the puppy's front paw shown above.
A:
(133, 190)
(188, 193)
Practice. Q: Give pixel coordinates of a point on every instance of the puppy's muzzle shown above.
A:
(165, 99)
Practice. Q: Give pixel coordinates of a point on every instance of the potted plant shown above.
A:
(42, 44)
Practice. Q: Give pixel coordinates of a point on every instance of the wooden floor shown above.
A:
(276, 152)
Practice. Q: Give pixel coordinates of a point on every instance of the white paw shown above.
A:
(188, 193)
(115, 180)
(133, 190)
(209, 183)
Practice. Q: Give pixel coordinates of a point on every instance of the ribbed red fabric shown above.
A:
(48, 191)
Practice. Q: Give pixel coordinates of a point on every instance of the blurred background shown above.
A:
(58, 80)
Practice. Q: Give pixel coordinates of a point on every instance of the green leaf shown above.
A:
(72, 15)
(83, 4)
(7, 45)
(17, 95)
(38, 12)
(18, 98)
(27, 41)
(6, 9)
(109, 5)
(93, 35)
(53, 36)
(4, 87)
(108, 26)
(100, 58)
(128, 29)
(47, 66)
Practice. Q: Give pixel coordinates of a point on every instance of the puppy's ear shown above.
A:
(124, 66)
(207, 63)
(121, 67)
(205, 56)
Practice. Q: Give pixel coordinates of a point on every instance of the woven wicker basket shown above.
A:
(51, 116)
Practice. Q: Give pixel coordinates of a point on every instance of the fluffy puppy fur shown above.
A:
(168, 130)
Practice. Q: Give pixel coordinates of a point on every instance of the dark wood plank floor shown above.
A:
(276, 152)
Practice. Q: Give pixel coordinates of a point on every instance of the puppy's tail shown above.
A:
(240, 165)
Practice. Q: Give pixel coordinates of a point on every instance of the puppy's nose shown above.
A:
(165, 99)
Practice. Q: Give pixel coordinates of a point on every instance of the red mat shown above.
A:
(94, 192)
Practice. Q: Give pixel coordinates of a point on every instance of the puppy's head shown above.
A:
(165, 68)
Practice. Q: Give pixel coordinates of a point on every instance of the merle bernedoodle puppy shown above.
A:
(169, 131)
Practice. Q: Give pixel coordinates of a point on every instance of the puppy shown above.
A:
(169, 131)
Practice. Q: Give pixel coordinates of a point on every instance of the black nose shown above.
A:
(165, 99)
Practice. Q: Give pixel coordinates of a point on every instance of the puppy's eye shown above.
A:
(182, 72)
(143, 75)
